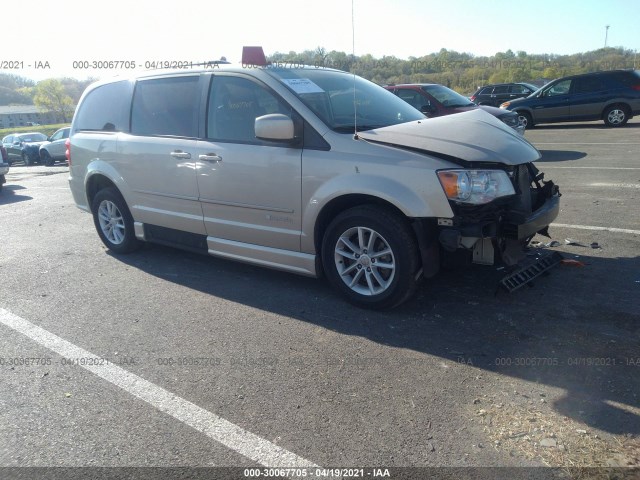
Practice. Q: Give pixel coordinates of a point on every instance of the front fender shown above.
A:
(426, 201)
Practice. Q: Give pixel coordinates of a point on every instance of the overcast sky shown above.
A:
(142, 30)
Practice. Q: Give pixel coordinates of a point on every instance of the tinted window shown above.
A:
(519, 89)
(31, 137)
(486, 91)
(629, 79)
(588, 84)
(105, 108)
(501, 89)
(234, 105)
(166, 106)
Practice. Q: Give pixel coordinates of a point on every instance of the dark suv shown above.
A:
(496, 94)
(612, 96)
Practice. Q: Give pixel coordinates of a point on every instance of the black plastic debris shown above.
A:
(595, 245)
(573, 243)
(530, 271)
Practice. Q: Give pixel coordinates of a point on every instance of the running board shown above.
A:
(523, 276)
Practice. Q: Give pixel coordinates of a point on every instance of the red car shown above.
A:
(436, 100)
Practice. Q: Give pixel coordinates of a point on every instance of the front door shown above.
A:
(553, 106)
(249, 188)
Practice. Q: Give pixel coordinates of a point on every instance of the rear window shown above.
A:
(105, 108)
(628, 79)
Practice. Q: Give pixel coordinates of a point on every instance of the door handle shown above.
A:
(210, 157)
(180, 154)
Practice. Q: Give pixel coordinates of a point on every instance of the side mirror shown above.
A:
(428, 108)
(274, 127)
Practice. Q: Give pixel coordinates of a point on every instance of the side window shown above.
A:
(166, 106)
(412, 97)
(106, 108)
(519, 89)
(234, 105)
(486, 91)
(65, 133)
(560, 88)
(57, 135)
(501, 89)
(588, 85)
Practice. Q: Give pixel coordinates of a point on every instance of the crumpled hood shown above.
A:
(473, 136)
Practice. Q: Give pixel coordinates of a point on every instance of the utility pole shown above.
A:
(606, 34)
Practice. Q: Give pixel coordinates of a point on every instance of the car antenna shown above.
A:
(353, 56)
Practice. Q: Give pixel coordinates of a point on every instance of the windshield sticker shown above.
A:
(302, 85)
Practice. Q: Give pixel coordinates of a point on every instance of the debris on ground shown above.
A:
(573, 243)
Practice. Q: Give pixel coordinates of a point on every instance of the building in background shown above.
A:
(25, 115)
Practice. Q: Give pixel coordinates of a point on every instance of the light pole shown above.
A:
(606, 34)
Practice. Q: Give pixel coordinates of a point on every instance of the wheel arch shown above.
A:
(97, 182)
(622, 105)
(345, 202)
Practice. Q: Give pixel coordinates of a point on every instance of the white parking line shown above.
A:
(589, 227)
(583, 143)
(615, 185)
(546, 167)
(236, 438)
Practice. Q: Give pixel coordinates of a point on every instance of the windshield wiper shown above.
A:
(360, 128)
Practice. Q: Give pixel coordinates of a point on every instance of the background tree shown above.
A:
(50, 96)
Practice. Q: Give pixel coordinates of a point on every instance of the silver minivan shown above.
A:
(309, 170)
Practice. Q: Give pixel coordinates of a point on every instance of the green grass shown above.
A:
(48, 130)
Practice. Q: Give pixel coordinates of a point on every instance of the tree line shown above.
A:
(463, 72)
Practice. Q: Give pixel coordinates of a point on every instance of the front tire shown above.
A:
(113, 221)
(370, 255)
(46, 158)
(525, 119)
(615, 116)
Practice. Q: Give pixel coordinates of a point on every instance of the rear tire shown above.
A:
(26, 159)
(370, 255)
(114, 222)
(615, 116)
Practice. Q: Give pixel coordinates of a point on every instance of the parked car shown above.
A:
(280, 167)
(435, 100)
(55, 149)
(496, 94)
(612, 96)
(4, 166)
(24, 146)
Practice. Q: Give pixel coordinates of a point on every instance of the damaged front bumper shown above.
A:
(506, 225)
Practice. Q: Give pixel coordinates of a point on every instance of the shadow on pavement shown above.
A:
(560, 155)
(8, 195)
(571, 330)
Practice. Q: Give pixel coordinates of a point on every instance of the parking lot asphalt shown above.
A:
(286, 371)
